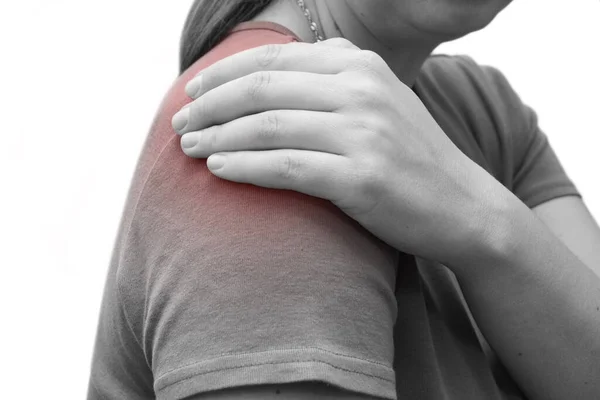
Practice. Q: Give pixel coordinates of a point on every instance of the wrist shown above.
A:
(492, 226)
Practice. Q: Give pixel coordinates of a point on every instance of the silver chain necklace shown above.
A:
(313, 24)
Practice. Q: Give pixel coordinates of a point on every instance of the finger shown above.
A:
(278, 129)
(313, 173)
(258, 92)
(273, 57)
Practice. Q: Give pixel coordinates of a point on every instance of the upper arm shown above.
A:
(221, 284)
(232, 284)
(570, 220)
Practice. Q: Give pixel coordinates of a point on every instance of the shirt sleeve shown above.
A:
(232, 284)
(536, 174)
(217, 284)
(119, 369)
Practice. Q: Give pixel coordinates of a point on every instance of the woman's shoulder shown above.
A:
(162, 167)
(476, 107)
(467, 84)
(462, 89)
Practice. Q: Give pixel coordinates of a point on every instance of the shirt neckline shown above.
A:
(273, 26)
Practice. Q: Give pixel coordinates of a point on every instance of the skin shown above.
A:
(402, 32)
(537, 301)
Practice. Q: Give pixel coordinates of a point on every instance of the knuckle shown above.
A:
(366, 91)
(208, 139)
(267, 55)
(366, 131)
(198, 109)
(213, 138)
(369, 60)
(287, 169)
(372, 58)
(270, 129)
(259, 81)
(341, 42)
(364, 124)
(370, 186)
(364, 189)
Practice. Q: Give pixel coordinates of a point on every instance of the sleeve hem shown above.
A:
(279, 366)
(535, 199)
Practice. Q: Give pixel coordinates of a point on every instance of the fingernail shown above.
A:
(193, 87)
(187, 141)
(180, 120)
(215, 162)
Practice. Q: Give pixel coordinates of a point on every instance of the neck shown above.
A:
(404, 54)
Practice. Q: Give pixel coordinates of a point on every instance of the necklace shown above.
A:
(313, 24)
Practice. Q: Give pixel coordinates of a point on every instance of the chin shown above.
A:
(451, 19)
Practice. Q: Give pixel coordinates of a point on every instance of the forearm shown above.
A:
(538, 306)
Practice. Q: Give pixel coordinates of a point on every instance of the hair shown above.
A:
(209, 21)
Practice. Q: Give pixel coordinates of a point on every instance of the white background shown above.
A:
(80, 82)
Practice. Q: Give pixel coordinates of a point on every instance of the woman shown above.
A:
(386, 224)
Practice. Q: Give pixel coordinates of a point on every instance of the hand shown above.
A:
(333, 121)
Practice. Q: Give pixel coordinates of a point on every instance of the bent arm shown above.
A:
(538, 304)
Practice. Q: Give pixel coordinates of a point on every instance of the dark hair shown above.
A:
(209, 21)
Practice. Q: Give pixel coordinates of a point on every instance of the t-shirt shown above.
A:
(215, 284)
